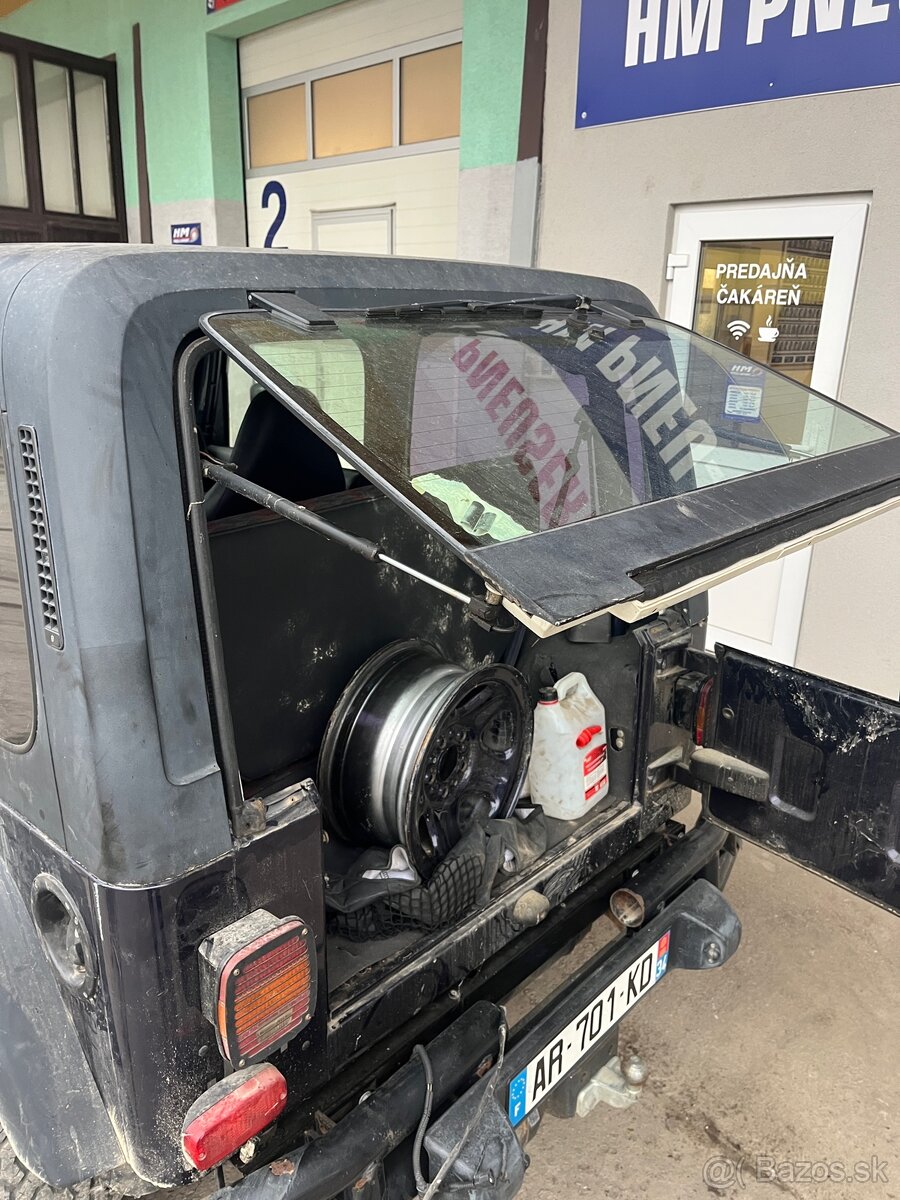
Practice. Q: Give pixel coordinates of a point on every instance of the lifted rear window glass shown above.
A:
(16, 684)
(497, 426)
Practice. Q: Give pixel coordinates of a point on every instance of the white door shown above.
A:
(775, 280)
(354, 230)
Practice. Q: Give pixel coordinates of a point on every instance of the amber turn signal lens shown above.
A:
(260, 985)
(701, 718)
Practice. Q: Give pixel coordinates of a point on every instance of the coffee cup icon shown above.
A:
(768, 332)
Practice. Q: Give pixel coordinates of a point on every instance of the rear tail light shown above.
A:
(691, 703)
(258, 984)
(230, 1113)
(701, 718)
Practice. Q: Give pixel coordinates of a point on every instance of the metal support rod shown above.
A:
(310, 520)
(287, 509)
(435, 583)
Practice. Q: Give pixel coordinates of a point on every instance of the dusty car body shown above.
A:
(184, 619)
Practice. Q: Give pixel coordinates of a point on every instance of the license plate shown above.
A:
(582, 1033)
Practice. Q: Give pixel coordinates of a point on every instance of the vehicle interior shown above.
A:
(298, 616)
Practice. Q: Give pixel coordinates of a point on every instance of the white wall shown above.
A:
(423, 187)
(346, 31)
(607, 208)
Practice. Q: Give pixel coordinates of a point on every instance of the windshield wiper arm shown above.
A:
(421, 307)
(463, 304)
(569, 301)
(578, 304)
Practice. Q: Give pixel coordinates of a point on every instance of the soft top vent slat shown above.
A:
(40, 537)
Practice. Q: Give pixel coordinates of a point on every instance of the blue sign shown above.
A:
(187, 235)
(651, 58)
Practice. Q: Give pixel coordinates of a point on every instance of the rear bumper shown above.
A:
(703, 933)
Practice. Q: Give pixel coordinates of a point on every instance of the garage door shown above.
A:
(351, 129)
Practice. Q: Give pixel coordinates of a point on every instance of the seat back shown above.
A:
(277, 451)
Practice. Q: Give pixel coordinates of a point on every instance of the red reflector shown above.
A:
(233, 1110)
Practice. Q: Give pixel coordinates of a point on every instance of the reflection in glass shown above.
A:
(51, 87)
(500, 427)
(92, 124)
(13, 187)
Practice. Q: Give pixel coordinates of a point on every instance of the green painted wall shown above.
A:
(190, 75)
(493, 57)
(190, 80)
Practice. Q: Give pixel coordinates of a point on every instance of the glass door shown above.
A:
(774, 281)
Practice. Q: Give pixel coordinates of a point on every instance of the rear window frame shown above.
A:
(677, 543)
(368, 459)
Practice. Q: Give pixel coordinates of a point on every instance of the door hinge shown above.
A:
(673, 262)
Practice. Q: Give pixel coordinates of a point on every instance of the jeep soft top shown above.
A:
(292, 546)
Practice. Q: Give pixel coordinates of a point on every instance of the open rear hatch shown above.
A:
(807, 768)
(579, 458)
(583, 459)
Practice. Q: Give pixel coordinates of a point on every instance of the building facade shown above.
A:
(703, 209)
(735, 159)
(341, 104)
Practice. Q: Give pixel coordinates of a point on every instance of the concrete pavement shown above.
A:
(780, 1066)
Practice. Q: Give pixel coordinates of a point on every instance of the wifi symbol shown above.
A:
(737, 329)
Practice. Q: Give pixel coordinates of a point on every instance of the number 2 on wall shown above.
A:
(274, 191)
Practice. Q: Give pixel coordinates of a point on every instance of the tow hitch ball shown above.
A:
(618, 1084)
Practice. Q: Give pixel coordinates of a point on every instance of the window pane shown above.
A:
(51, 87)
(240, 392)
(333, 370)
(353, 112)
(13, 189)
(276, 127)
(508, 428)
(764, 298)
(92, 123)
(429, 95)
(16, 692)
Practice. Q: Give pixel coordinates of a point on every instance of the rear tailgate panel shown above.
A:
(832, 755)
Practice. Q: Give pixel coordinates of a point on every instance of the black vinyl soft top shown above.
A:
(123, 770)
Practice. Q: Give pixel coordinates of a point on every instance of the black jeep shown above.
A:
(291, 548)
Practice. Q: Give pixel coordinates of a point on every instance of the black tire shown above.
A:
(18, 1183)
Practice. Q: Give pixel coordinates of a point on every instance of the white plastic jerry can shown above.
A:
(568, 773)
